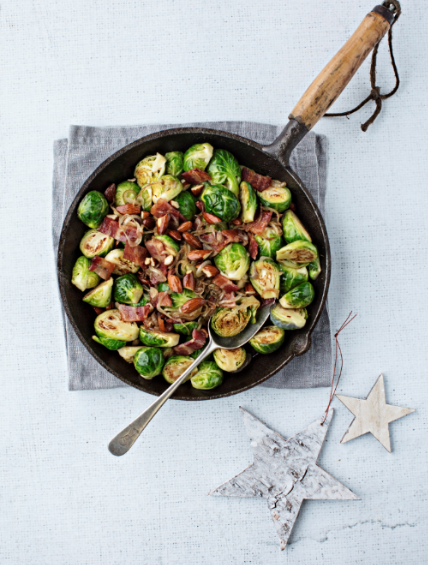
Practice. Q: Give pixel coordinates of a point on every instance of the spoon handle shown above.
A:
(125, 439)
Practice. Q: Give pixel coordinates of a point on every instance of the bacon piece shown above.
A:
(155, 276)
(137, 254)
(196, 176)
(98, 310)
(189, 281)
(266, 301)
(161, 324)
(110, 193)
(259, 225)
(129, 209)
(198, 340)
(235, 236)
(157, 249)
(225, 284)
(253, 248)
(102, 267)
(162, 207)
(134, 313)
(111, 227)
(164, 299)
(259, 182)
(228, 300)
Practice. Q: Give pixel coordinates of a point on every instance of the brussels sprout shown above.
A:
(292, 275)
(209, 376)
(82, 277)
(277, 196)
(95, 243)
(264, 276)
(293, 228)
(225, 169)
(198, 156)
(221, 202)
(230, 360)
(145, 198)
(288, 319)
(248, 198)
(128, 289)
(227, 322)
(251, 303)
(163, 286)
(174, 163)
(149, 362)
(233, 261)
(196, 353)
(175, 367)
(314, 268)
(179, 298)
(109, 324)
(187, 204)
(128, 351)
(172, 247)
(167, 188)
(150, 169)
(268, 340)
(269, 241)
(301, 252)
(92, 209)
(126, 192)
(298, 297)
(123, 266)
(186, 328)
(112, 344)
(156, 338)
(100, 296)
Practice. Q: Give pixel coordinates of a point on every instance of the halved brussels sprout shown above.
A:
(209, 376)
(288, 319)
(314, 269)
(264, 276)
(149, 169)
(174, 163)
(145, 198)
(196, 353)
(123, 266)
(112, 344)
(172, 247)
(92, 209)
(269, 241)
(128, 351)
(149, 362)
(163, 286)
(248, 198)
(301, 252)
(298, 297)
(233, 261)
(186, 328)
(268, 340)
(109, 324)
(187, 204)
(128, 289)
(277, 196)
(179, 298)
(156, 338)
(293, 228)
(251, 303)
(230, 360)
(225, 169)
(221, 202)
(82, 277)
(100, 296)
(175, 367)
(126, 193)
(198, 156)
(227, 322)
(292, 275)
(167, 188)
(95, 243)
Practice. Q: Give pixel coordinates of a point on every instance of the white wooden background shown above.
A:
(64, 500)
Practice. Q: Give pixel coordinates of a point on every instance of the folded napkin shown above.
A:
(86, 148)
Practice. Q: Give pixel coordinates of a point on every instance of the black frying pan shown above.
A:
(272, 160)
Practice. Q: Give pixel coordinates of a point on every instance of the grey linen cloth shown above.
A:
(86, 148)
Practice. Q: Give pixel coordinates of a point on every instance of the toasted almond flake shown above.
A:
(169, 260)
(174, 203)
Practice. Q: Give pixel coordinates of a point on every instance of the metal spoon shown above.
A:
(124, 440)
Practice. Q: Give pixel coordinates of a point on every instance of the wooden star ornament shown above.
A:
(285, 472)
(372, 414)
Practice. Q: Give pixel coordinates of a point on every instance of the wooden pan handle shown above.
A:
(333, 79)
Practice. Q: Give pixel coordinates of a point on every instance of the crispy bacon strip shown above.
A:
(102, 267)
(135, 254)
(253, 247)
(259, 225)
(111, 227)
(196, 176)
(198, 340)
(228, 300)
(259, 182)
(225, 284)
(156, 248)
(110, 193)
(162, 207)
(134, 313)
(129, 209)
(155, 276)
(164, 299)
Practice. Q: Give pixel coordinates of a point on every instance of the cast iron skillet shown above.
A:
(269, 160)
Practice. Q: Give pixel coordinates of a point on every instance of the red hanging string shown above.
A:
(333, 387)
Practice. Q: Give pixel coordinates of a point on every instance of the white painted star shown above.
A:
(285, 472)
(372, 414)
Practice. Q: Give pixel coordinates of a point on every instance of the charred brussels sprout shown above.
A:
(187, 204)
(221, 202)
(230, 360)
(180, 298)
(112, 344)
(145, 198)
(128, 289)
(186, 328)
(264, 276)
(92, 209)
(174, 163)
(82, 277)
(175, 367)
(298, 297)
(156, 338)
(248, 198)
(227, 322)
(277, 196)
(101, 295)
(126, 193)
(300, 252)
(167, 188)
(96, 243)
(128, 351)
(123, 266)
(292, 275)
(198, 156)
(150, 169)
(109, 325)
(269, 241)
(233, 261)
(209, 376)
(314, 269)
(268, 340)
(149, 362)
(171, 246)
(293, 228)
(288, 319)
(225, 169)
